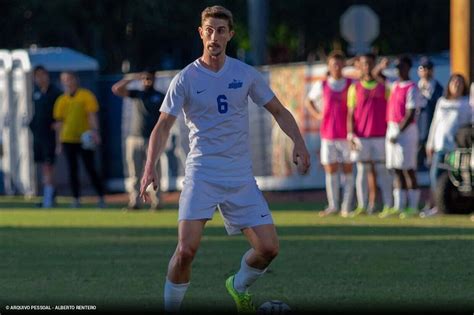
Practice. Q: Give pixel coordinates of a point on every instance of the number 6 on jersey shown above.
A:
(222, 105)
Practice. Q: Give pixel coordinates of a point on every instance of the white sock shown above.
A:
(385, 182)
(399, 198)
(332, 190)
(362, 186)
(174, 295)
(247, 275)
(348, 192)
(413, 198)
(48, 196)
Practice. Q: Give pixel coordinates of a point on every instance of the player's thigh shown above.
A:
(328, 152)
(362, 153)
(199, 199)
(190, 234)
(377, 149)
(343, 151)
(409, 146)
(244, 206)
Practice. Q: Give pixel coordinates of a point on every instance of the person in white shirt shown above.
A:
(452, 112)
(213, 92)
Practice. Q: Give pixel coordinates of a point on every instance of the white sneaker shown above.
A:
(345, 213)
(429, 212)
(328, 211)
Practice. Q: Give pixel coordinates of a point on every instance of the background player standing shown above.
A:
(328, 102)
(367, 103)
(402, 141)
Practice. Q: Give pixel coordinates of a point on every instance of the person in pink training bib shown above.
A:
(327, 101)
(367, 125)
(402, 142)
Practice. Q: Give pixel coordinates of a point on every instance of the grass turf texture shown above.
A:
(113, 260)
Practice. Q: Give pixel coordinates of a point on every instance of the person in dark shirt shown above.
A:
(42, 128)
(431, 90)
(145, 114)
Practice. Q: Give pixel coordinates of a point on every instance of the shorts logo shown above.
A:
(235, 84)
(264, 215)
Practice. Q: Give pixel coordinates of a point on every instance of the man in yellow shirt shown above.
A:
(75, 113)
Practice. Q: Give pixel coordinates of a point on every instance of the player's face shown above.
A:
(403, 70)
(425, 73)
(148, 80)
(215, 35)
(366, 65)
(69, 82)
(335, 66)
(41, 78)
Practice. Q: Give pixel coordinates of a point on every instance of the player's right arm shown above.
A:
(58, 115)
(351, 103)
(120, 88)
(158, 138)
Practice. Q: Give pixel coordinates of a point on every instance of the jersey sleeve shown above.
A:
(260, 92)
(316, 95)
(92, 105)
(351, 96)
(413, 100)
(175, 96)
(58, 110)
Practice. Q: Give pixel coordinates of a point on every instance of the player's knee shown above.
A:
(185, 254)
(270, 251)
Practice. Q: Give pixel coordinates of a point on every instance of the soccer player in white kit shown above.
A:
(213, 93)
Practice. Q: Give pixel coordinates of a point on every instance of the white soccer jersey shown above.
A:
(215, 107)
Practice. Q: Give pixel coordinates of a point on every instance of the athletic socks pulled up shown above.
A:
(247, 275)
(332, 190)
(174, 295)
(399, 198)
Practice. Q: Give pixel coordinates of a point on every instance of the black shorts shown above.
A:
(44, 151)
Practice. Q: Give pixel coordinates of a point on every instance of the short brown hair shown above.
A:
(218, 12)
(336, 54)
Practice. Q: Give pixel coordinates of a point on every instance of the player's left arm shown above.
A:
(412, 103)
(92, 106)
(287, 123)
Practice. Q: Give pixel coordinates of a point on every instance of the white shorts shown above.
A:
(335, 151)
(402, 154)
(241, 205)
(369, 150)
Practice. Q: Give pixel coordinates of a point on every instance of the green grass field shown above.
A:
(114, 259)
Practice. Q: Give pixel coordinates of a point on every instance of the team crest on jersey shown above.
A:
(235, 84)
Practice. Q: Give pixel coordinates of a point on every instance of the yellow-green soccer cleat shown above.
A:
(243, 301)
(387, 212)
(358, 211)
(409, 212)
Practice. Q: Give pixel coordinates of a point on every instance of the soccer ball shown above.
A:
(273, 307)
(87, 141)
